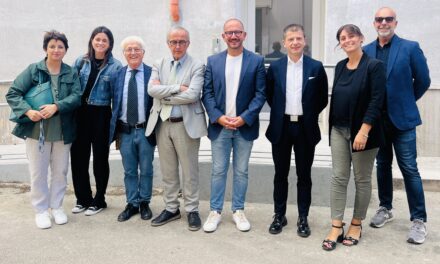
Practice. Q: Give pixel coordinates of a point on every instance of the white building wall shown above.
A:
(22, 26)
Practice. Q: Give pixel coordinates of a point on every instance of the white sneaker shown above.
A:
(212, 222)
(240, 221)
(78, 209)
(59, 216)
(43, 220)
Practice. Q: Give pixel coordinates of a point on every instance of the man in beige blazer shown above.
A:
(178, 118)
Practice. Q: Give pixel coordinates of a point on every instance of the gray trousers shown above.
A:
(175, 146)
(342, 159)
(47, 189)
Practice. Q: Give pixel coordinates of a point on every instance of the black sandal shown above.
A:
(328, 244)
(353, 241)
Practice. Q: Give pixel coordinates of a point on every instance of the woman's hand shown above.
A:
(47, 111)
(34, 115)
(360, 141)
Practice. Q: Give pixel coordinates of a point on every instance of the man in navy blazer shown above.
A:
(407, 81)
(131, 106)
(297, 91)
(233, 95)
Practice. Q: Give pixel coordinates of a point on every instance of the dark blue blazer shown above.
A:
(407, 80)
(117, 88)
(314, 97)
(250, 95)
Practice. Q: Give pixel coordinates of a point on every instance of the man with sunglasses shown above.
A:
(407, 81)
(178, 118)
(233, 95)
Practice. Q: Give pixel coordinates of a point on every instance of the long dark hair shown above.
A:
(91, 52)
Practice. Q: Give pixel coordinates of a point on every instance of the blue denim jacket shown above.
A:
(100, 94)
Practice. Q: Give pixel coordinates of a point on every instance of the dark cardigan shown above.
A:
(366, 100)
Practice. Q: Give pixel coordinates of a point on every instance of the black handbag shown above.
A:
(37, 96)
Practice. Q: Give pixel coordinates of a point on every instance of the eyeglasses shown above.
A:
(237, 33)
(381, 19)
(133, 50)
(177, 42)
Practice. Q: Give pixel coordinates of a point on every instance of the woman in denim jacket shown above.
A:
(51, 129)
(93, 120)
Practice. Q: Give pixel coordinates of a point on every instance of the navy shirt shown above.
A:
(382, 53)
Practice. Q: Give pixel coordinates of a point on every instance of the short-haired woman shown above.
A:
(55, 121)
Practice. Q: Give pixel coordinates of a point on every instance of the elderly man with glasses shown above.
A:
(179, 120)
(130, 113)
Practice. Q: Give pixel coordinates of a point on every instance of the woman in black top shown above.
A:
(355, 132)
(93, 120)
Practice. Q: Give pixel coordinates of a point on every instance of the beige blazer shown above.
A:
(191, 74)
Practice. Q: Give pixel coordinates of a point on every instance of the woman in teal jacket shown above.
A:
(51, 131)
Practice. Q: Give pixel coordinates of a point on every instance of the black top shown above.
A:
(96, 65)
(382, 53)
(341, 98)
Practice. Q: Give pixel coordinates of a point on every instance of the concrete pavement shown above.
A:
(102, 239)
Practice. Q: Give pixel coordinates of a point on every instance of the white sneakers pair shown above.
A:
(43, 220)
(215, 218)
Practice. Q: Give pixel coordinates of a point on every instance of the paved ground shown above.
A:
(101, 239)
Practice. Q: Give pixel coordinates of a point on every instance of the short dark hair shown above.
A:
(293, 28)
(91, 52)
(351, 29)
(53, 34)
(276, 46)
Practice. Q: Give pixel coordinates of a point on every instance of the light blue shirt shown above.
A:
(176, 111)
(141, 94)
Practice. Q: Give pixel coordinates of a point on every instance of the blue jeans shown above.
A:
(221, 151)
(137, 159)
(404, 143)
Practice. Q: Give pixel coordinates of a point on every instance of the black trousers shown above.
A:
(93, 125)
(293, 135)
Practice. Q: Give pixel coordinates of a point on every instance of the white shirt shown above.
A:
(232, 76)
(294, 81)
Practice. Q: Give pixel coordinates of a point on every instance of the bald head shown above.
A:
(387, 10)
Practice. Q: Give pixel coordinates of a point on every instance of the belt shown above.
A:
(137, 126)
(293, 118)
(175, 119)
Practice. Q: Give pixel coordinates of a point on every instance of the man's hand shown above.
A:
(237, 121)
(183, 88)
(155, 82)
(230, 122)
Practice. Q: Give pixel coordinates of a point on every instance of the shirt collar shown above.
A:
(181, 61)
(140, 68)
(298, 63)
(386, 45)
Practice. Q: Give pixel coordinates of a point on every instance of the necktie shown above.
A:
(132, 100)
(166, 109)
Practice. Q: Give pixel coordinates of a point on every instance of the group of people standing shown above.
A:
(97, 101)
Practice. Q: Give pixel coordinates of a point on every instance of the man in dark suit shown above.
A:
(131, 106)
(233, 95)
(297, 91)
(407, 81)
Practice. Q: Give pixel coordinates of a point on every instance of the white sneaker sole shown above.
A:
(90, 212)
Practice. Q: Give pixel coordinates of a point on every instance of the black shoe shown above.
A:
(128, 212)
(279, 221)
(165, 217)
(145, 210)
(194, 222)
(303, 227)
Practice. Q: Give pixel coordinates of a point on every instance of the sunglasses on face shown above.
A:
(381, 19)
